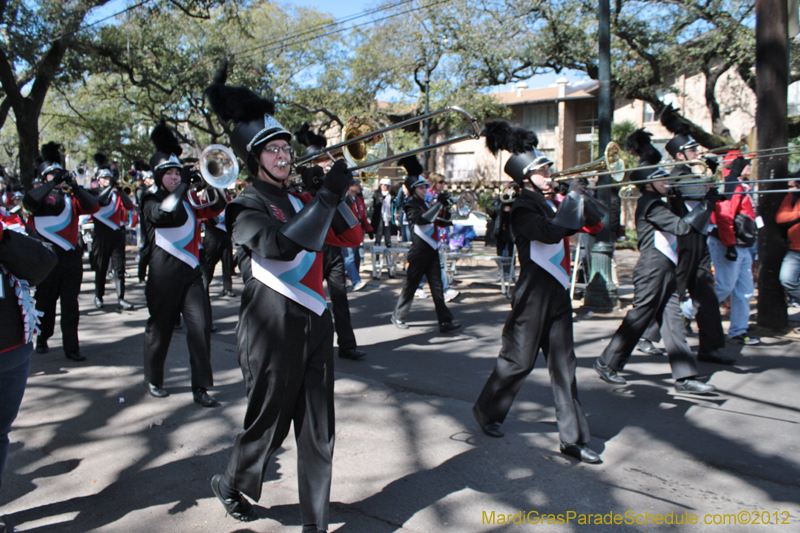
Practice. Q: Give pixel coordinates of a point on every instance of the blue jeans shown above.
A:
(350, 268)
(734, 279)
(790, 274)
(14, 367)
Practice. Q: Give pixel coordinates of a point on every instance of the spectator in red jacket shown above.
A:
(789, 216)
(352, 256)
(729, 243)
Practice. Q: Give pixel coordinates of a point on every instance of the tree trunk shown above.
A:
(28, 136)
(772, 76)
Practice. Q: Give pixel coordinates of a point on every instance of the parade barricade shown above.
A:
(506, 279)
(386, 258)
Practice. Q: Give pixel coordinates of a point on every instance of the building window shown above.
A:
(459, 168)
(540, 118)
(649, 114)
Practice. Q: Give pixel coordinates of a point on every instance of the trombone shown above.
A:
(365, 148)
(611, 163)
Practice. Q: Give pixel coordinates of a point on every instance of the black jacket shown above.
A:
(28, 259)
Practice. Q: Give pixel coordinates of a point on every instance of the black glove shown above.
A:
(312, 177)
(69, 179)
(442, 198)
(731, 254)
(338, 178)
(713, 196)
(190, 176)
(113, 180)
(577, 185)
(60, 176)
(736, 166)
(711, 162)
(561, 187)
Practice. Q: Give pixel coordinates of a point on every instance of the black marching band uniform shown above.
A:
(109, 236)
(423, 256)
(219, 247)
(541, 309)
(54, 216)
(174, 281)
(655, 283)
(333, 271)
(693, 273)
(285, 335)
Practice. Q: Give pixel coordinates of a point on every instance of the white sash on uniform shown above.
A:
(286, 277)
(174, 240)
(667, 244)
(48, 227)
(103, 214)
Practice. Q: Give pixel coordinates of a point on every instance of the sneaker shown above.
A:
(744, 339)
(360, 285)
(450, 294)
(420, 294)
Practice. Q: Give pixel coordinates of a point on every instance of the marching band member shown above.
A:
(175, 281)
(218, 246)
(541, 309)
(655, 284)
(109, 235)
(24, 262)
(693, 273)
(54, 215)
(423, 256)
(285, 335)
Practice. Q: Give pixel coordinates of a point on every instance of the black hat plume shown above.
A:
(673, 122)
(412, 165)
(51, 152)
(307, 137)
(101, 160)
(235, 104)
(164, 139)
(500, 135)
(639, 143)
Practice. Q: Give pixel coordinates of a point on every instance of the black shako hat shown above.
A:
(680, 128)
(51, 159)
(522, 143)
(168, 151)
(252, 116)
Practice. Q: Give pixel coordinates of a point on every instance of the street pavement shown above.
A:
(91, 451)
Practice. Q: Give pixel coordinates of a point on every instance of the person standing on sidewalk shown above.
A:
(541, 309)
(729, 243)
(788, 216)
(352, 256)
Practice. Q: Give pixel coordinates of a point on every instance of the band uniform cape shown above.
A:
(655, 284)
(285, 344)
(541, 317)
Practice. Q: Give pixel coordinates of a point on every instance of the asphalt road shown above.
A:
(91, 451)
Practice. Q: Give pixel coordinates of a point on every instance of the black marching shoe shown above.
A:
(693, 386)
(202, 397)
(489, 426)
(155, 390)
(352, 353)
(236, 506)
(608, 374)
(714, 356)
(228, 293)
(444, 327)
(75, 356)
(581, 452)
(397, 323)
(41, 346)
(645, 346)
(98, 302)
(123, 305)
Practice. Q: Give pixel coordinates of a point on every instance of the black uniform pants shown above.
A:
(542, 320)
(333, 272)
(108, 246)
(654, 299)
(218, 247)
(64, 282)
(699, 283)
(286, 357)
(167, 298)
(423, 261)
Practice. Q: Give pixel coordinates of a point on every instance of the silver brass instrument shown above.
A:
(219, 169)
(463, 205)
(509, 194)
